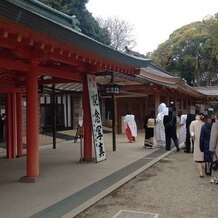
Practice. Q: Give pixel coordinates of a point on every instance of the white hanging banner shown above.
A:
(96, 119)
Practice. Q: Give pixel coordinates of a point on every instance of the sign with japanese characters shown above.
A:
(96, 119)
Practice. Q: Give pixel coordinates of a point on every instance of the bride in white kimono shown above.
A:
(182, 129)
(159, 130)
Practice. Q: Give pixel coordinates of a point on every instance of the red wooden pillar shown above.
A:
(87, 123)
(32, 132)
(19, 125)
(11, 126)
(8, 126)
(14, 125)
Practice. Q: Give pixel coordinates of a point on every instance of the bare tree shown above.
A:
(120, 31)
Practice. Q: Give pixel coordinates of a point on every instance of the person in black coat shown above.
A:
(169, 122)
(204, 145)
(190, 117)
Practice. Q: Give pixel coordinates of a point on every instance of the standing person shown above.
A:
(190, 117)
(195, 131)
(169, 122)
(130, 126)
(204, 145)
(213, 147)
(149, 130)
(159, 131)
(182, 128)
(1, 127)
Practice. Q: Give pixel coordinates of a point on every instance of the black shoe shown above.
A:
(147, 145)
(187, 151)
(167, 149)
(177, 149)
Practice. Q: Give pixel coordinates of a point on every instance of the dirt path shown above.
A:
(170, 188)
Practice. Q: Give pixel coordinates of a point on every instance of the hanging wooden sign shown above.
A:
(96, 119)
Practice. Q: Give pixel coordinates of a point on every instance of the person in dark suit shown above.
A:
(169, 122)
(204, 144)
(190, 117)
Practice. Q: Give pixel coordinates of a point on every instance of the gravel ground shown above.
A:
(170, 188)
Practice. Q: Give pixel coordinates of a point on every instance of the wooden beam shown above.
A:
(5, 43)
(7, 82)
(10, 89)
(70, 75)
(23, 53)
(54, 81)
(13, 64)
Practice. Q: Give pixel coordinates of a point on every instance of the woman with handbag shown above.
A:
(214, 150)
(195, 131)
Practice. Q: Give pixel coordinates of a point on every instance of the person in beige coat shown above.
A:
(195, 131)
(214, 149)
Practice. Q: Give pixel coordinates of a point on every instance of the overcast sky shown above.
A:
(154, 20)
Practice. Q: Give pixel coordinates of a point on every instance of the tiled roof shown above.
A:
(208, 90)
(39, 17)
(156, 71)
(161, 77)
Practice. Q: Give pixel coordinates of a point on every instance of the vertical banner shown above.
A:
(96, 119)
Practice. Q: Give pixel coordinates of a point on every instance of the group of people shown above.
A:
(197, 132)
(164, 128)
(203, 132)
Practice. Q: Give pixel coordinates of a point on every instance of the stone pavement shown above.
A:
(65, 186)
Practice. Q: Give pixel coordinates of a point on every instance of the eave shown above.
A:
(211, 92)
(29, 23)
(171, 82)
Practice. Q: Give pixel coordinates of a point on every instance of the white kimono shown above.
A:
(182, 129)
(130, 120)
(159, 130)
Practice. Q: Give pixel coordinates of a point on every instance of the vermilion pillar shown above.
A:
(32, 132)
(11, 126)
(19, 125)
(8, 126)
(14, 125)
(87, 123)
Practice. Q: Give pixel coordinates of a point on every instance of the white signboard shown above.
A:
(96, 119)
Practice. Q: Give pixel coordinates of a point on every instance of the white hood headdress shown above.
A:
(163, 109)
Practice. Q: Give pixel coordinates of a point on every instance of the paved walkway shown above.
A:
(65, 186)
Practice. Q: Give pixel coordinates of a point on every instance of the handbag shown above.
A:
(214, 164)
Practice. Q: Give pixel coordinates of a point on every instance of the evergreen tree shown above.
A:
(191, 53)
(88, 24)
